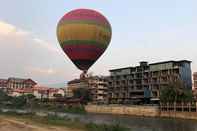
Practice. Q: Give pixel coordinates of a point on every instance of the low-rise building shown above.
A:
(41, 92)
(13, 85)
(18, 83)
(3, 84)
(19, 92)
(134, 84)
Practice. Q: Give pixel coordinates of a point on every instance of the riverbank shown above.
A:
(13, 123)
(142, 111)
(34, 122)
(103, 122)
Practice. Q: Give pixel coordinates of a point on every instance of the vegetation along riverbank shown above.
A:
(55, 122)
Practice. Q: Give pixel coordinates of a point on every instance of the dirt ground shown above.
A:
(14, 124)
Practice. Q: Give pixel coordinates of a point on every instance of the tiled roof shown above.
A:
(47, 89)
(21, 80)
(25, 90)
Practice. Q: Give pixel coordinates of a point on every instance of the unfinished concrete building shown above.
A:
(135, 84)
(96, 84)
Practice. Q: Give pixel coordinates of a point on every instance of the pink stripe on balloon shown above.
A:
(83, 52)
(85, 14)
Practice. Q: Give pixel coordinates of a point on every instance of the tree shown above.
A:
(3, 96)
(176, 92)
(22, 101)
(19, 102)
(84, 94)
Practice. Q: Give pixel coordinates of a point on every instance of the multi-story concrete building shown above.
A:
(195, 80)
(133, 84)
(76, 84)
(99, 89)
(97, 86)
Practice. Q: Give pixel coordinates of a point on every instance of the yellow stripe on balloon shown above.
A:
(83, 32)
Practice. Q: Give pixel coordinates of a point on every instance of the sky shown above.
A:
(143, 30)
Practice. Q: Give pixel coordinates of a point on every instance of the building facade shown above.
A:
(97, 85)
(41, 92)
(195, 80)
(11, 85)
(134, 84)
(74, 85)
(99, 89)
(18, 83)
(3, 84)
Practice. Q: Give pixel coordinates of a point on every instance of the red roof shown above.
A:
(46, 89)
(24, 90)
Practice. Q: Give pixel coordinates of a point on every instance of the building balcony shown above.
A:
(136, 90)
(137, 97)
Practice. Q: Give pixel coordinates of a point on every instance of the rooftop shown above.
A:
(171, 61)
(162, 62)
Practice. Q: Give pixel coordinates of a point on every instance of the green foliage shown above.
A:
(3, 96)
(176, 92)
(104, 127)
(75, 109)
(67, 122)
(83, 93)
(18, 102)
(29, 96)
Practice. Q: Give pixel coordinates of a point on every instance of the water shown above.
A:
(135, 123)
(143, 123)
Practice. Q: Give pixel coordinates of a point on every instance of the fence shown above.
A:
(179, 107)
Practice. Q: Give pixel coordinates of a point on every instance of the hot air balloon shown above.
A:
(84, 35)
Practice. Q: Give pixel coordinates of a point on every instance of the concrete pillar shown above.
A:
(174, 106)
(196, 106)
(182, 106)
(189, 107)
(167, 106)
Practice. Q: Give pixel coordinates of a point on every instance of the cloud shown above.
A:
(42, 71)
(23, 54)
(8, 29)
(45, 45)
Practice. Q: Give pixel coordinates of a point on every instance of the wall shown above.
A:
(147, 111)
(182, 115)
(124, 110)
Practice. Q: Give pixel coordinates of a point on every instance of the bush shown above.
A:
(75, 109)
(104, 127)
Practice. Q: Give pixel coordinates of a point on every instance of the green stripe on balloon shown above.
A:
(107, 27)
(85, 42)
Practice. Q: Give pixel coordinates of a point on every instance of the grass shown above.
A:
(65, 122)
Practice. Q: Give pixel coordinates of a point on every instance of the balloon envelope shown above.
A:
(84, 35)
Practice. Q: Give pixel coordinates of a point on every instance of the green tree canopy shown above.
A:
(3, 96)
(84, 94)
(176, 92)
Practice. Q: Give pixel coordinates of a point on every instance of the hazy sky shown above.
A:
(143, 30)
